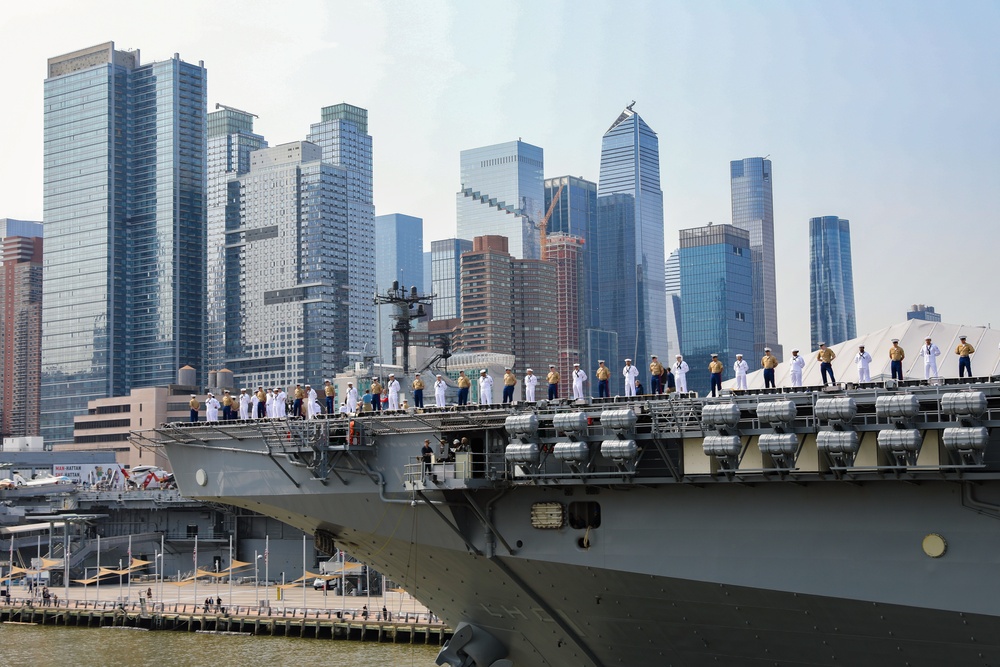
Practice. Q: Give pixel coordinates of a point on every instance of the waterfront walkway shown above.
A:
(322, 616)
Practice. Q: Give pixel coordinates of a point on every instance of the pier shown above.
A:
(407, 628)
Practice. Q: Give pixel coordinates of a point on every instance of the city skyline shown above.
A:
(879, 151)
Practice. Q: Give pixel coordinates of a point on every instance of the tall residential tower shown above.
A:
(20, 326)
(124, 216)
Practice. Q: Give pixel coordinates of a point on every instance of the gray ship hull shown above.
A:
(711, 569)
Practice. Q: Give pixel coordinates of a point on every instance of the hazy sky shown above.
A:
(884, 113)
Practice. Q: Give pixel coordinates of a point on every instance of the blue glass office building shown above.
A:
(753, 210)
(502, 195)
(831, 281)
(630, 216)
(124, 216)
(717, 299)
(446, 274)
(399, 256)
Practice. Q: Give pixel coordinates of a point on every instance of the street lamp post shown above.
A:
(256, 580)
(158, 562)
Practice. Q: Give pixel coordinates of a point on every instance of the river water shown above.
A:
(40, 646)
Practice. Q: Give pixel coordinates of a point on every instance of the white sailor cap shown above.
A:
(822, 344)
(529, 370)
(552, 365)
(211, 394)
(961, 337)
(417, 374)
(679, 356)
(737, 354)
(895, 340)
(194, 396)
(482, 370)
(576, 364)
(438, 375)
(350, 384)
(326, 381)
(927, 338)
(309, 385)
(714, 354)
(767, 349)
(392, 375)
(653, 357)
(600, 361)
(628, 359)
(507, 369)
(795, 349)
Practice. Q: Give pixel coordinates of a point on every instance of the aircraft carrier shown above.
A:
(816, 526)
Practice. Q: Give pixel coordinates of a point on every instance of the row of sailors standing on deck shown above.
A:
(261, 404)
(929, 352)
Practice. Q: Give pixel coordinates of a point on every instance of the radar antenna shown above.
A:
(406, 306)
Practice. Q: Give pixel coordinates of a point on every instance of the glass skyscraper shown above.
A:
(753, 210)
(342, 133)
(502, 194)
(717, 300)
(446, 274)
(630, 238)
(231, 139)
(399, 256)
(124, 216)
(831, 281)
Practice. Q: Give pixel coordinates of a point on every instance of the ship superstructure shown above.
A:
(797, 527)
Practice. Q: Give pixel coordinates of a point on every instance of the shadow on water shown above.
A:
(98, 647)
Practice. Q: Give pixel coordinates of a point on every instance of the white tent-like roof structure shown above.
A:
(911, 335)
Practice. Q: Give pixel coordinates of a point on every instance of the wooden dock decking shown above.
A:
(314, 624)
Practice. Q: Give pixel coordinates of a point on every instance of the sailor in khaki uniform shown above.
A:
(509, 381)
(655, 376)
(553, 380)
(330, 392)
(825, 357)
(896, 356)
(195, 406)
(603, 374)
(715, 368)
(376, 390)
(418, 391)
(768, 362)
(964, 352)
(464, 384)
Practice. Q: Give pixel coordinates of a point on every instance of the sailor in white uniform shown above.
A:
(796, 364)
(211, 408)
(352, 398)
(485, 388)
(740, 368)
(631, 374)
(579, 377)
(393, 387)
(440, 387)
(313, 404)
(280, 403)
(270, 404)
(530, 382)
(244, 404)
(930, 352)
(863, 359)
(680, 373)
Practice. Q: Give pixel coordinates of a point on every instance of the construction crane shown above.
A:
(544, 224)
